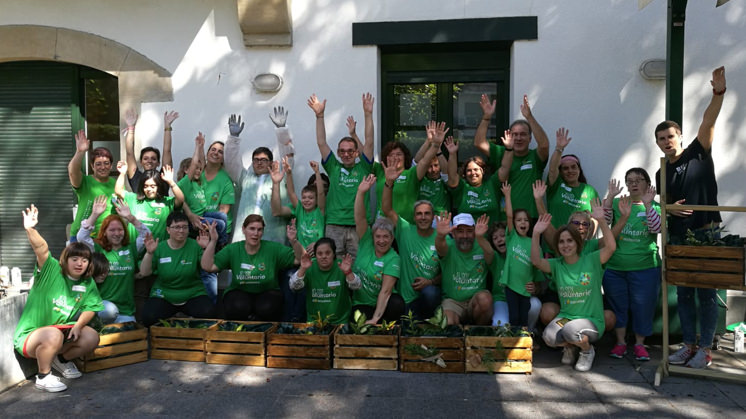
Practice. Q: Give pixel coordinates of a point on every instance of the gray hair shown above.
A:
(383, 224)
(424, 201)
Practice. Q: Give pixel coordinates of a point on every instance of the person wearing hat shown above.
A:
(466, 299)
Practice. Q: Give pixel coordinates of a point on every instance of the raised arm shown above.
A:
(278, 210)
(297, 279)
(38, 244)
(540, 189)
(361, 222)
(452, 148)
(233, 162)
(122, 168)
(369, 131)
(480, 138)
(320, 191)
(503, 172)
(208, 255)
(292, 234)
(142, 230)
(480, 230)
(146, 265)
(554, 163)
(130, 117)
(625, 209)
(707, 128)
(168, 119)
(318, 108)
(198, 156)
(289, 181)
(652, 215)
(436, 133)
(538, 261)
(87, 225)
(75, 167)
(608, 239)
(508, 206)
(352, 131)
(279, 117)
(391, 173)
(443, 229)
(615, 188)
(542, 141)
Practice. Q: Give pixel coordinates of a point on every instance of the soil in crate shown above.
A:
(119, 344)
(237, 343)
(180, 339)
(294, 345)
(366, 352)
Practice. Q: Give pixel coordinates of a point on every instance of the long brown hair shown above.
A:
(101, 239)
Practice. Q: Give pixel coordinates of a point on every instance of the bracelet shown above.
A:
(347, 272)
(487, 119)
(508, 149)
(130, 128)
(319, 117)
(386, 184)
(561, 150)
(720, 93)
(168, 129)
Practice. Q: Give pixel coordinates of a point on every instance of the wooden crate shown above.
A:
(116, 349)
(237, 348)
(511, 355)
(451, 348)
(706, 266)
(299, 351)
(178, 344)
(366, 352)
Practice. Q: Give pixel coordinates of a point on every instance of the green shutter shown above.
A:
(37, 115)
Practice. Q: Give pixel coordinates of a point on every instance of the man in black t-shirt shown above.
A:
(690, 180)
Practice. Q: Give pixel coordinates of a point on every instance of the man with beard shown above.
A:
(464, 269)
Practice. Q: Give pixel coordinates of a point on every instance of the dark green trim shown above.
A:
(675, 60)
(445, 31)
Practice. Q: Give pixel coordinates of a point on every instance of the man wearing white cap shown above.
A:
(464, 269)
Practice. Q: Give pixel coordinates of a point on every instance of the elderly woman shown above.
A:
(63, 290)
(376, 263)
(578, 277)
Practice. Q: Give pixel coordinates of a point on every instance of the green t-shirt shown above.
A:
(89, 189)
(151, 212)
(255, 273)
(523, 173)
(563, 200)
(496, 268)
(194, 195)
(403, 195)
(418, 258)
(327, 293)
(119, 286)
(177, 272)
(371, 269)
(435, 191)
(219, 191)
(518, 270)
(636, 247)
(477, 200)
(579, 288)
(343, 184)
(309, 224)
(54, 299)
(464, 273)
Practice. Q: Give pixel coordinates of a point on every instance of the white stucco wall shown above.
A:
(581, 73)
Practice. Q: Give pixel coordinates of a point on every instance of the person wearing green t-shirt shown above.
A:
(523, 166)
(113, 242)
(176, 264)
(87, 188)
(308, 211)
(377, 264)
(578, 278)
(420, 268)
(53, 326)
(345, 174)
(329, 282)
(632, 277)
(466, 299)
(254, 291)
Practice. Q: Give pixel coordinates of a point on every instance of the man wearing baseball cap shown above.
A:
(464, 268)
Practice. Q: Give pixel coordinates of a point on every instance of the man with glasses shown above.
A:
(345, 175)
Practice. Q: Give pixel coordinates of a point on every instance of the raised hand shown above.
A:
(351, 126)
(346, 263)
(167, 174)
(311, 249)
(391, 173)
(615, 188)
(648, 195)
(451, 145)
(443, 223)
(203, 238)
(169, 117)
(718, 79)
(482, 225)
(305, 261)
(199, 140)
(30, 217)
(597, 210)
(488, 108)
(367, 183)
(505, 188)
(439, 134)
(368, 101)
(122, 167)
(526, 108)
(99, 205)
(507, 139)
(540, 189)
(624, 205)
(81, 142)
(122, 208)
(212, 230)
(235, 126)
(130, 117)
(286, 166)
(562, 139)
(314, 166)
(316, 106)
(275, 172)
(279, 116)
(150, 243)
(291, 232)
(542, 223)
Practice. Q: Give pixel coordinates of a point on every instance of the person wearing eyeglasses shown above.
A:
(88, 187)
(632, 277)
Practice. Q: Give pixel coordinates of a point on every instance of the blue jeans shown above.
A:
(424, 306)
(221, 220)
(634, 292)
(210, 281)
(708, 314)
(295, 301)
(110, 314)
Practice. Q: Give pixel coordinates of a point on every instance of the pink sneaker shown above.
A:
(641, 354)
(618, 351)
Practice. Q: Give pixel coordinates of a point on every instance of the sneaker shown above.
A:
(700, 360)
(618, 351)
(641, 354)
(681, 357)
(67, 369)
(585, 360)
(569, 353)
(50, 383)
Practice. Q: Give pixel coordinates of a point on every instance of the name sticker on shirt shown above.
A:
(472, 193)
(345, 171)
(165, 260)
(432, 247)
(402, 177)
(124, 252)
(527, 166)
(157, 205)
(378, 263)
(642, 214)
(478, 257)
(247, 266)
(567, 188)
(333, 284)
(78, 288)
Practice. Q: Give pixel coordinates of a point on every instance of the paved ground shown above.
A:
(619, 388)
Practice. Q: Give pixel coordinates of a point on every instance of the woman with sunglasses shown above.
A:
(632, 277)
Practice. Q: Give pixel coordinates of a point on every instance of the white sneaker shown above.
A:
(585, 360)
(569, 353)
(50, 383)
(67, 369)
(681, 357)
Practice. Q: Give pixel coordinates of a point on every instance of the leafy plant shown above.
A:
(243, 327)
(434, 326)
(359, 327)
(187, 323)
(712, 237)
(319, 326)
(500, 331)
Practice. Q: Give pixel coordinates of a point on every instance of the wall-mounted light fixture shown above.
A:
(653, 69)
(267, 82)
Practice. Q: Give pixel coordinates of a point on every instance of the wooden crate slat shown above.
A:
(289, 339)
(298, 363)
(120, 337)
(446, 354)
(704, 265)
(424, 366)
(489, 341)
(724, 252)
(503, 367)
(118, 361)
(365, 352)
(234, 359)
(698, 280)
(366, 340)
(508, 355)
(176, 355)
(122, 348)
(234, 348)
(298, 351)
(432, 342)
(366, 364)
(238, 337)
(184, 344)
(177, 332)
